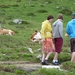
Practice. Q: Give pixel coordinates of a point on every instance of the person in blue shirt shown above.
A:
(70, 30)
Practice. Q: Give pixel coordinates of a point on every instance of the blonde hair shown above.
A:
(60, 16)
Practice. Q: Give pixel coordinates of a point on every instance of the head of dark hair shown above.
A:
(60, 16)
(50, 17)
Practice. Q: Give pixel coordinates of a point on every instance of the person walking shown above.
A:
(47, 44)
(70, 30)
(58, 37)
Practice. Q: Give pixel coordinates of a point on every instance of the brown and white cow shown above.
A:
(6, 32)
(36, 37)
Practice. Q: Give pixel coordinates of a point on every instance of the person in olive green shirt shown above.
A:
(47, 44)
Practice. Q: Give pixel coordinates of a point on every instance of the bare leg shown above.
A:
(56, 56)
(43, 57)
(55, 60)
(73, 57)
(48, 55)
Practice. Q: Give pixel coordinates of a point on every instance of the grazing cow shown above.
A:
(6, 32)
(36, 37)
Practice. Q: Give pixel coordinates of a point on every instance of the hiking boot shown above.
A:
(56, 63)
(45, 62)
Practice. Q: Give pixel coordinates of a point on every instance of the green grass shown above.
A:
(32, 12)
(10, 70)
(69, 66)
(44, 71)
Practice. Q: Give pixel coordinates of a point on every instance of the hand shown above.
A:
(66, 34)
(43, 39)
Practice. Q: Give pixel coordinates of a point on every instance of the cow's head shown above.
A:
(36, 37)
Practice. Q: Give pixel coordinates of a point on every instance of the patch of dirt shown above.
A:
(24, 65)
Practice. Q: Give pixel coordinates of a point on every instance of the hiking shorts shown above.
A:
(72, 44)
(58, 44)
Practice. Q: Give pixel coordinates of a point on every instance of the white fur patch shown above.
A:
(38, 36)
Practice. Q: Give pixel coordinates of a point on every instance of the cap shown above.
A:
(73, 14)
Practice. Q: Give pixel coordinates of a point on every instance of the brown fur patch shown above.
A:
(6, 32)
(32, 36)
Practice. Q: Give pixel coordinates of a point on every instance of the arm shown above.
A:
(68, 29)
(61, 30)
(43, 28)
(50, 28)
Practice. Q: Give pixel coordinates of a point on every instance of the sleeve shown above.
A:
(43, 28)
(68, 29)
(50, 28)
(61, 30)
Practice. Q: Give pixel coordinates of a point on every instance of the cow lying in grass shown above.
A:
(36, 37)
(6, 32)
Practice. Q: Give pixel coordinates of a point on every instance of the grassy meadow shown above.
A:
(32, 13)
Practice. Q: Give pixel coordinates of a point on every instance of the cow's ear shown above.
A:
(36, 31)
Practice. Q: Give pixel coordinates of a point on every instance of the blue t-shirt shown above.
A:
(70, 29)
